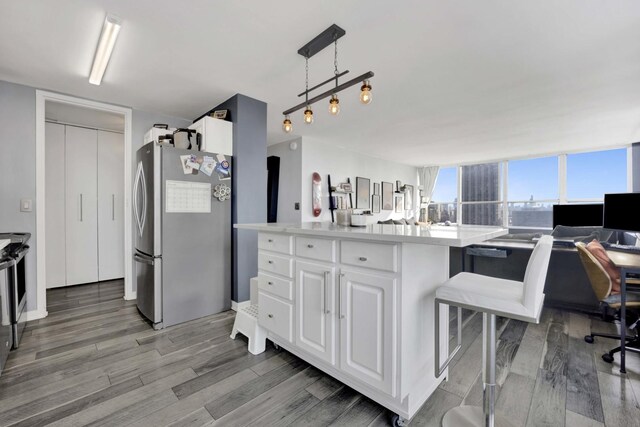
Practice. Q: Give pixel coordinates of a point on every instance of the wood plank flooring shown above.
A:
(95, 361)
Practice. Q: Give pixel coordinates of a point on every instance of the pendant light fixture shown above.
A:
(286, 125)
(365, 94)
(334, 105)
(320, 42)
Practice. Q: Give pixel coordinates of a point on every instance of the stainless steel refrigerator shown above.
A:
(182, 218)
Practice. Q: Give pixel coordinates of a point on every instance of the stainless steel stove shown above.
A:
(13, 258)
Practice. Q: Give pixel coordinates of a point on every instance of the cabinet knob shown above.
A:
(270, 316)
(362, 258)
(269, 283)
(270, 262)
(310, 246)
(270, 240)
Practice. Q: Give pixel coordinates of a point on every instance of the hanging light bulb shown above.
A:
(286, 125)
(308, 115)
(365, 94)
(334, 105)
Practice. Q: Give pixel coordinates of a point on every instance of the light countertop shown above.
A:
(456, 236)
(4, 243)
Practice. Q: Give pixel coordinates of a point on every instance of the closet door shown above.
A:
(110, 205)
(81, 158)
(54, 204)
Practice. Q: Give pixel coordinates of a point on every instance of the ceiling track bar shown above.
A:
(330, 92)
(324, 83)
(321, 41)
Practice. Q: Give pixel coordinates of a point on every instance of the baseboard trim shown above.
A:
(235, 306)
(132, 295)
(36, 314)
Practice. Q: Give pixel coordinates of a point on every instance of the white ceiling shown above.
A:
(82, 116)
(456, 81)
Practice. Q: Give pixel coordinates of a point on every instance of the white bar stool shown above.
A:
(493, 297)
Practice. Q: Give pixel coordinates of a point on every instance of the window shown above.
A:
(591, 175)
(533, 190)
(482, 194)
(444, 204)
(533, 187)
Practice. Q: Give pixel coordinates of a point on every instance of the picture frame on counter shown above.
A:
(375, 203)
(387, 196)
(363, 193)
(408, 197)
(399, 203)
(376, 188)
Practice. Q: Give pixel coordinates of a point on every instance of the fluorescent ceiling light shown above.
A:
(110, 31)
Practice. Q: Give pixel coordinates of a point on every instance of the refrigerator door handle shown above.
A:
(138, 258)
(136, 188)
(144, 200)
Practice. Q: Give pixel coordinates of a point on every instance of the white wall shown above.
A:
(290, 187)
(326, 159)
(17, 159)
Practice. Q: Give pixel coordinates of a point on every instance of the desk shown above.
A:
(627, 263)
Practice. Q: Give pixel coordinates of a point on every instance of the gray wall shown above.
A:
(17, 161)
(290, 188)
(249, 117)
(17, 169)
(636, 166)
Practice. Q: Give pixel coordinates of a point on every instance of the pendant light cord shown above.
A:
(335, 59)
(306, 81)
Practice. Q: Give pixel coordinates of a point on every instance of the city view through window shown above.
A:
(532, 187)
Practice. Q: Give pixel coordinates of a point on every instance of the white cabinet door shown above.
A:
(315, 313)
(81, 205)
(368, 329)
(110, 205)
(54, 202)
(217, 135)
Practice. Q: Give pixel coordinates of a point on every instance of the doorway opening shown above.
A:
(83, 180)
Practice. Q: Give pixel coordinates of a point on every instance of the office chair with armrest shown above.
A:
(602, 285)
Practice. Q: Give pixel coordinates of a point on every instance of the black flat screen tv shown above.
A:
(578, 215)
(622, 211)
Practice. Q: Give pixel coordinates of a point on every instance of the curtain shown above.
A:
(428, 176)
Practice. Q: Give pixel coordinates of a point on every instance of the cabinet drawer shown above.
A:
(277, 264)
(319, 249)
(369, 255)
(282, 243)
(275, 316)
(276, 286)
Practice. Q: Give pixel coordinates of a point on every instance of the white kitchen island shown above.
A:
(357, 303)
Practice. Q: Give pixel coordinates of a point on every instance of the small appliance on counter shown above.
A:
(359, 218)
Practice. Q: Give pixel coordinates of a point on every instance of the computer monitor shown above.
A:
(622, 211)
(578, 215)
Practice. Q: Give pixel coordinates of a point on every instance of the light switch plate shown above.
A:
(25, 205)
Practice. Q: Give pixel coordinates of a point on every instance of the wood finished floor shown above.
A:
(94, 361)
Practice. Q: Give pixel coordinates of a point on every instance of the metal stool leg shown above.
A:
(474, 415)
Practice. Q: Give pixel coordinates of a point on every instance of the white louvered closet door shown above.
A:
(110, 205)
(81, 188)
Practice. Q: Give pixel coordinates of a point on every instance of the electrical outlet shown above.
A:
(296, 206)
(25, 205)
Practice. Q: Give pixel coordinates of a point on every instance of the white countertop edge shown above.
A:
(4, 243)
(390, 235)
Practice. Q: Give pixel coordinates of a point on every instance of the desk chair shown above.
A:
(493, 297)
(602, 284)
